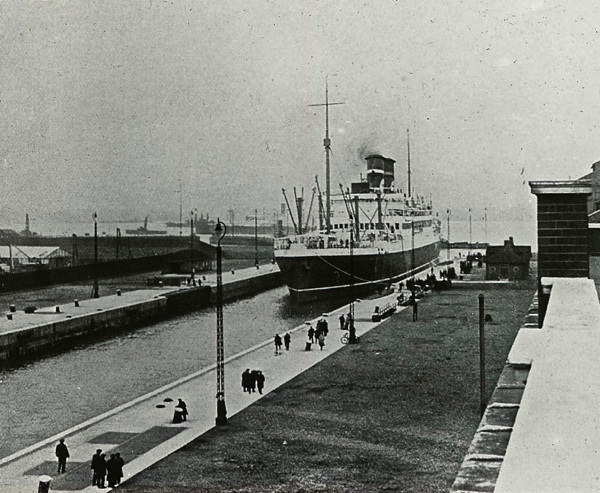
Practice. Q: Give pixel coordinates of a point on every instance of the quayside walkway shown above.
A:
(540, 431)
(20, 320)
(142, 430)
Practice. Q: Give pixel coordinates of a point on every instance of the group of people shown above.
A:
(286, 340)
(110, 470)
(252, 380)
(318, 335)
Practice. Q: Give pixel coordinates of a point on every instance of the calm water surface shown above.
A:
(53, 394)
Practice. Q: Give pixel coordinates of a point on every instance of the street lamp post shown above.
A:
(256, 238)
(448, 239)
(95, 293)
(191, 247)
(221, 420)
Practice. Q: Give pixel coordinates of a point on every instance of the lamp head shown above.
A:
(220, 229)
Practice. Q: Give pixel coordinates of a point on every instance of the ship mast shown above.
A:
(327, 145)
(408, 147)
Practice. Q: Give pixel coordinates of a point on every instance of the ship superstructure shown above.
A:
(376, 235)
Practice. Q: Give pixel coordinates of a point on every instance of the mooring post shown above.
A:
(482, 397)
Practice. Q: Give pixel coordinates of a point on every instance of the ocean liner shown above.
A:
(369, 236)
(376, 235)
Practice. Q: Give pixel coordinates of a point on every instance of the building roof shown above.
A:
(508, 253)
(32, 252)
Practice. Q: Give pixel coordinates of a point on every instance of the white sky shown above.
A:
(108, 105)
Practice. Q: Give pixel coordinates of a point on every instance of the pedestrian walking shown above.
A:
(311, 334)
(260, 382)
(317, 333)
(308, 344)
(321, 341)
(415, 307)
(246, 380)
(183, 406)
(121, 463)
(112, 471)
(253, 380)
(101, 470)
(277, 344)
(62, 453)
(286, 341)
(94, 466)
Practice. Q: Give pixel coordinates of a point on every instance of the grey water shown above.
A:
(53, 394)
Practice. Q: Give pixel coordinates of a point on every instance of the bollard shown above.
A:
(9, 316)
(76, 302)
(44, 484)
(12, 308)
(118, 292)
(232, 271)
(58, 309)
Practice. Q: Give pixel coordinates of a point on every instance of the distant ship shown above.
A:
(172, 224)
(143, 230)
(373, 235)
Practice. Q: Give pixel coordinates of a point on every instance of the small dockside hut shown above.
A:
(507, 261)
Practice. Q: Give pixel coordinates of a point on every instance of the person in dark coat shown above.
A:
(112, 471)
(182, 405)
(317, 333)
(277, 344)
(62, 452)
(253, 380)
(121, 463)
(321, 341)
(246, 380)
(286, 341)
(101, 470)
(260, 381)
(342, 322)
(311, 334)
(94, 466)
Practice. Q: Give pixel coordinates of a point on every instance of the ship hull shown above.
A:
(341, 275)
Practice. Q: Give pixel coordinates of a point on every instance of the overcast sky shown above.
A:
(113, 105)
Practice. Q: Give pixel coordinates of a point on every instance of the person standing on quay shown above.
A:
(121, 463)
(342, 321)
(277, 344)
(253, 380)
(62, 452)
(311, 334)
(94, 466)
(286, 340)
(260, 381)
(321, 341)
(112, 471)
(101, 470)
(183, 406)
(246, 380)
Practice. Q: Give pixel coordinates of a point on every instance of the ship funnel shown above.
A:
(380, 170)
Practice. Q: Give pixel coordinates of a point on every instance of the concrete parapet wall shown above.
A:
(248, 285)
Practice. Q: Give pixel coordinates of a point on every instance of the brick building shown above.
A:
(507, 261)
